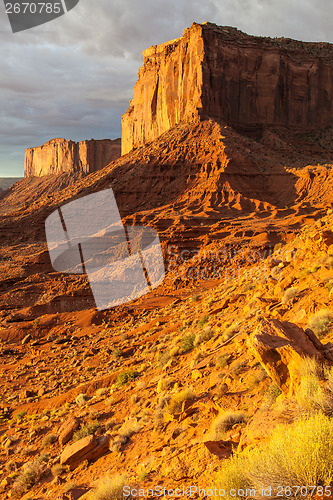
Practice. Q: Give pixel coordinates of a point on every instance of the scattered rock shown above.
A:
(89, 448)
(26, 339)
(67, 430)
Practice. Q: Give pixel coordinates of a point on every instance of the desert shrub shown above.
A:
(69, 486)
(176, 401)
(203, 320)
(204, 336)
(187, 343)
(163, 358)
(49, 440)
(320, 321)
(30, 475)
(223, 422)
(81, 399)
(271, 394)
(127, 376)
(229, 332)
(117, 352)
(222, 360)
(311, 394)
(130, 427)
(86, 429)
(101, 392)
(289, 294)
(298, 454)
(310, 366)
(239, 367)
(57, 470)
(110, 488)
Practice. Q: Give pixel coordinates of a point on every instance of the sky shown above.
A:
(73, 77)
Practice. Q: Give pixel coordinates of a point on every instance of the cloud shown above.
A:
(74, 76)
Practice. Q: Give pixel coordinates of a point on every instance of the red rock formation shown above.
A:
(58, 156)
(248, 82)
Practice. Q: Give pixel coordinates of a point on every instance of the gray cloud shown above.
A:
(74, 77)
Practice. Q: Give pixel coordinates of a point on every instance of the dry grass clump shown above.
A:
(222, 423)
(313, 394)
(176, 401)
(110, 488)
(289, 294)
(30, 475)
(127, 376)
(295, 455)
(186, 343)
(320, 321)
(230, 332)
(222, 360)
(204, 336)
(49, 440)
(86, 429)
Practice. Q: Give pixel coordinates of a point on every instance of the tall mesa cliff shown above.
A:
(249, 82)
(59, 155)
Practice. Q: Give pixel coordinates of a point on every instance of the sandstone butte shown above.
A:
(249, 82)
(61, 156)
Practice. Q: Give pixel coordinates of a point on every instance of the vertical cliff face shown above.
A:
(59, 155)
(168, 89)
(220, 72)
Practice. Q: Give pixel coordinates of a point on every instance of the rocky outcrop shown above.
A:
(59, 155)
(280, 347)
(249, 82)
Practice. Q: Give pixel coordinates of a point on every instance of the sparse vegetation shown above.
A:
(125, 377)
(176, 401)
(110, 488)
(320, 321)
(86, 430)
(49, 440)
(289, 294)
(204, 336)
(295, 455)
(222, 423)
(203, 320)
(222, 360)
(187, 343)
(30, 475)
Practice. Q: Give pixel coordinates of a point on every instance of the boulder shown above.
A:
(280, 347)
(67, 430)
(89, 448)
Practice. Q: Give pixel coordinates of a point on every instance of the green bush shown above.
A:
(127, 376)
(86, 430)
(187, 343)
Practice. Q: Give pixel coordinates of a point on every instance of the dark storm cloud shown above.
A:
(74, 76)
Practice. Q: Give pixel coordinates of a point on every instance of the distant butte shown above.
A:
(61, 156)
(219, 72)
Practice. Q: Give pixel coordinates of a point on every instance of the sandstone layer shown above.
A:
(220, 72)
(59, 155)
